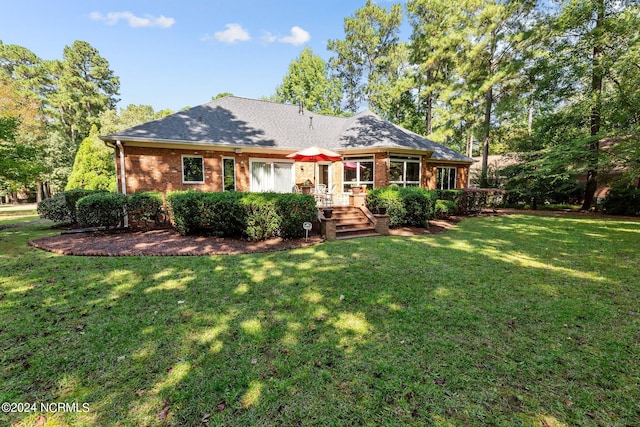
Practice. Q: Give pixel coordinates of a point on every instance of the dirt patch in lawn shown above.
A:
(167, 242)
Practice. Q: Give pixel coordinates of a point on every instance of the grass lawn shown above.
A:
(12, 214)
(514, 320)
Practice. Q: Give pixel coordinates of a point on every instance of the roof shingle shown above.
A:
(243, 122)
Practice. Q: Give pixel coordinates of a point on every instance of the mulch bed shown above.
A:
(168, 242)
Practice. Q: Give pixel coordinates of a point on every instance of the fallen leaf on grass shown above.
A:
(439, 381)
(221, 406)
(164, 413)
(140, 392)
(41, 421)
(205, 419)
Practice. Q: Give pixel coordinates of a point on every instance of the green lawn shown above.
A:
(515, 320)
(12, 214)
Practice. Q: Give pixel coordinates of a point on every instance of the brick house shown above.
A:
(241, 144)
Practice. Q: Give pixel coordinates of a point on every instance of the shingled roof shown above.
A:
(242, 122)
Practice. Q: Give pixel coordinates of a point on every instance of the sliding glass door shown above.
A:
(268, 175)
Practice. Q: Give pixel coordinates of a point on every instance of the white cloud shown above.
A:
(112, 18)
(298, 36)
(232, 34)
(268, 37)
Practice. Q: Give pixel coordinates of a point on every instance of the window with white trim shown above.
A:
(228, 174)
(357, 172)
(192, 169)
(446, 178)
(404, 171)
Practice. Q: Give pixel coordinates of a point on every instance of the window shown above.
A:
(446, 179)
(192, 169)
(357, 171)
(268, 175)
(228, 174)
(404, 171)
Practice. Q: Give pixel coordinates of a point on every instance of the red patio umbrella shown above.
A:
(315, 154)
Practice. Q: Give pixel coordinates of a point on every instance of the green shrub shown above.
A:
(222, 213)
(256, 216)
(197, 212)
(144, 205)
(294, 210)
(622, 200)
(388, 197)
(410, 206)
(445, 208)
(419, 205)
(101, 209)
(262, 219)
(55, 209)
(472, 200)
(72, 197)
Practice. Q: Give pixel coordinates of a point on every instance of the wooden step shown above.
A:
(352, 223)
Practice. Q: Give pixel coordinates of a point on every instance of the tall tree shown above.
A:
(439, 30)
(21, 132)
(596, 51)
(85, 87)
(494, 58)
(364, 58)
(112, 121)
(307, 81)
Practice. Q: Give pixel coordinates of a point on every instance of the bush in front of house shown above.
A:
(261, 215)
(55, 209)
(410, 206)
(294, 210)
(195, 212)
(387, 197)
(257, 216)
(73, 196)
(101, 210)
(622, 200)
(445, 208)
(419, 205)
(144, 205)
(472, 200)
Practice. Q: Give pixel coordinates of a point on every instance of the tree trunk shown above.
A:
(530, 118)
(596, 93)
(428, 119)
(485, 140)
(39, 192)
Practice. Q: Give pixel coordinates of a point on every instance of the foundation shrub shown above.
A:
(101, 210)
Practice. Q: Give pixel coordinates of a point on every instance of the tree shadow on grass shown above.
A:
(466, 327)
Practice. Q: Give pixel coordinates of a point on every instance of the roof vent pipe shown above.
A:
(310, 122)
(300, 108)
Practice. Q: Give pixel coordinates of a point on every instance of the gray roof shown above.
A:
(243, 122)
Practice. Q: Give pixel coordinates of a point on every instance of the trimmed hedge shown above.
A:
(410, 206)
(73, 196)
(257, 216)
(445, 208)
(55, 209)
(144, 205)
(261, 215)
(101, 209)
(470, 200)
(294, 209)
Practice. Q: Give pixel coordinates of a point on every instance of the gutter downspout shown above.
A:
(123, 180)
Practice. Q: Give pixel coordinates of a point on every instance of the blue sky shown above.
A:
(172, 54)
